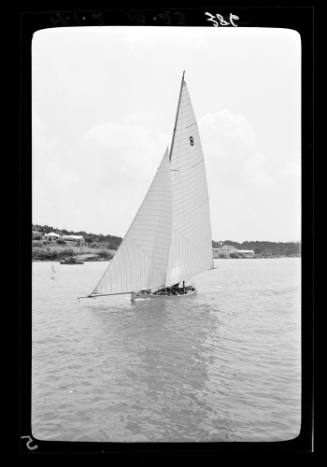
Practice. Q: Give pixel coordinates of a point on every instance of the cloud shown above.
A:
(118, 162)
(291, 170)
(231, 151)
(256, 170)
(56, 182)
(126, 148)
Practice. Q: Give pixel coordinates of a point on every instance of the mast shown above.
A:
(190, 249)
(178, 105)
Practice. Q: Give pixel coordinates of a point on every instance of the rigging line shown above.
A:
(105, 294)
(133, 222)
(176, 118)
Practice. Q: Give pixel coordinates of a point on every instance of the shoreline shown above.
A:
(100, 260)
(43, 250)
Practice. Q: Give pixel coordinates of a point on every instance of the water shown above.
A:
(222, 365)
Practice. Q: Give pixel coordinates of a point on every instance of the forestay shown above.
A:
(141, 260)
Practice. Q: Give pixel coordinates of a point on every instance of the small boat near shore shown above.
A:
(71, 260)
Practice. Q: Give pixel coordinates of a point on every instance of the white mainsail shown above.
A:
(170, 239)
(141, 260)
(191, 243)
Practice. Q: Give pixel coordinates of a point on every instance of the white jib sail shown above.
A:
(191, 241)
(141, 260)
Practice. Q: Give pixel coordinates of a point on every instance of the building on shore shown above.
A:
(76, 239)
(229, 251)
(51, 237)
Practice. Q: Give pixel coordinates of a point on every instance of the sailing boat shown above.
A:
(169, 240)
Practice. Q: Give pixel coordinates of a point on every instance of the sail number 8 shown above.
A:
(191, 141)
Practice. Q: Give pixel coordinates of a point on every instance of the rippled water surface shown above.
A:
(222, 365)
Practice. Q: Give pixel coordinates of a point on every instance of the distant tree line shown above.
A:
(264, 248)
(111, 241)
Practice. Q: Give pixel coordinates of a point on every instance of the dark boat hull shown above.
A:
(75, 262)
(140, 296)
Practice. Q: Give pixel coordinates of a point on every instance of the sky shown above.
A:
(104, 102)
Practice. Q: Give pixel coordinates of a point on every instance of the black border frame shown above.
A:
(299, 18)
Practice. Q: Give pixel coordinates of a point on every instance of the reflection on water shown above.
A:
(222, 365)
